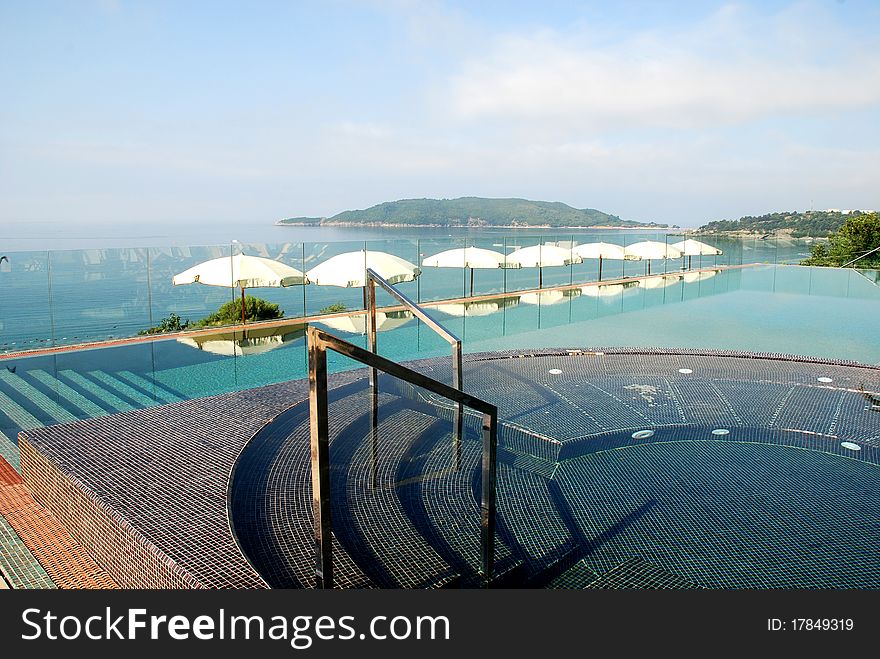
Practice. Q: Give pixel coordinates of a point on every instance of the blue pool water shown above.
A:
(819, 312)
(65, 297)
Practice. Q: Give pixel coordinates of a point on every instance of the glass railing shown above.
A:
(70, 297)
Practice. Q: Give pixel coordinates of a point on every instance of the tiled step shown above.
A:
(88, 406)
(121, 388)
(17, 414)
(9, 450)
(160, 392)
(46, 404)
(100, 393)
(17, 563)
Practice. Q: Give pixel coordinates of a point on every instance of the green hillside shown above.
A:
(817, 224)
(472, 211)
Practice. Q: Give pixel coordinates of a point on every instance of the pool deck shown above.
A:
(215, 492)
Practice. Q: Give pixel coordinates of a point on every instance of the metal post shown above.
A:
(372, 346)
(370, 298)
(320, 450)
(458, 415)
(490, 443)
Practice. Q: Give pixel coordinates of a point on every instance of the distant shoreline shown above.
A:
(393, 225)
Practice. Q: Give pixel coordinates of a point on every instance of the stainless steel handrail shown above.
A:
(318, 344)
(374, 278)
(859, 258)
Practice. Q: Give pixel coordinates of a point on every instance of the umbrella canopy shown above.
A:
(660, 281)
(608, 290)
(241, 271)
(349, 270)
(358, 324)
(691, 277)
(541, 256)
(691, 247)
(546, 298)
(249, 342)
(604, 251)
(466, 257)
(651, 249)
(468, 309)
(481, 308)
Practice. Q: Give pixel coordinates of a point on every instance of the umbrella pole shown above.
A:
(242, 305)
(689, 262)
(540, 277)
(472, 282)
(365, 297)
(649, 266)
(600, 268)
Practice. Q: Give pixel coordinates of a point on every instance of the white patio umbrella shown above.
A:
(608, 290)
(349, 270)
(692, 277)
(466, 257)
(481, 308)
(357, 324)
(547, 298)
(541, 256)
(659, 281)
(248, 342)
(241, 271)
(691, 248)
(603, 251)
(649, 250)
(468, 309)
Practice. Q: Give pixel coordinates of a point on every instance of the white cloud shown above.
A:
(731, 68)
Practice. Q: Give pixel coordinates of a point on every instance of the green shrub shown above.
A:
(334, 308)
(255, 308)
(169, 324)
(858, 236)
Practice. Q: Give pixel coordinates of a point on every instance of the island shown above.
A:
(473, 212)
(797, 224)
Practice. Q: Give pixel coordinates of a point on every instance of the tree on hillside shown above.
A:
(859, 235)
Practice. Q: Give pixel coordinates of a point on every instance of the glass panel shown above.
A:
(25, 316)
(321, 298)
(191, 302)
(99, 294)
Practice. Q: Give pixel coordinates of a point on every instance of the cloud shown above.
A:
(731, 68)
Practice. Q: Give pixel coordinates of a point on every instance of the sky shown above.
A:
(674, 112)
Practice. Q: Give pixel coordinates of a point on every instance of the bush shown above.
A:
(169, 324)
(255, 308)
(859, 235)
(334, 308)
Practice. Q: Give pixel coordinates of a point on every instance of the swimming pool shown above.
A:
(687, 465)
(819, 312)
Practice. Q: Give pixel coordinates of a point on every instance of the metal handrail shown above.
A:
(374, 278)
(859, 258)
(318, 344)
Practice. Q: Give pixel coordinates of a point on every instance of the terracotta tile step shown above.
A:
(63, 558)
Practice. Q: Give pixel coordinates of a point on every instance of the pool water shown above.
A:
(817, 312)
